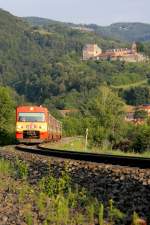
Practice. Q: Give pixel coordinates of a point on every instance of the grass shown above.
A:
(21, 169)
(5, 168)
(71, 205)
(78, 144)
(75, 143)
(101, 214)
(55, 200)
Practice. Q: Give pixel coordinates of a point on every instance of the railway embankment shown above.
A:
(128, 187)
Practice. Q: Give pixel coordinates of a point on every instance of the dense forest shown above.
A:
(40, 63)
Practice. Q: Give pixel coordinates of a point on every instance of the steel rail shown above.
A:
(130, 161)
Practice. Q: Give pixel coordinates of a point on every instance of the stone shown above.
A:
(4, 219)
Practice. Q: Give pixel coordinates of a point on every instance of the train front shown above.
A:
(31, 124)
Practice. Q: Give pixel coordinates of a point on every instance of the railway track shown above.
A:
(139, 162)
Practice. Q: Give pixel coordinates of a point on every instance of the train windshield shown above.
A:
(31, 117)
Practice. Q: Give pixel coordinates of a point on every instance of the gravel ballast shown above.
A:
(128, 187)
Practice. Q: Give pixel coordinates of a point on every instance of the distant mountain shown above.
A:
(122, 31)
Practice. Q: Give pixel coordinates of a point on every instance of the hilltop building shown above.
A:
(93, 52)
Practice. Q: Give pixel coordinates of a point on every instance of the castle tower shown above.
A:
(134, 47)
(90, 51)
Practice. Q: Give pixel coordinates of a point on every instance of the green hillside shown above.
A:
(122, 31)
(38, 21)
(43, 63)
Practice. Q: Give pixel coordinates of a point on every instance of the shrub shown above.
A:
(141, 138)
(21, 169)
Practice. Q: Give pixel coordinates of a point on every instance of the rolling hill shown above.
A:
(43, 62)
(122, 31)
(125, 31)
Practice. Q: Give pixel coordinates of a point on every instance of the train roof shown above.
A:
(31, 109)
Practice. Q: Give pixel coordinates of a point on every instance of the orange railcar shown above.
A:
(34, 124)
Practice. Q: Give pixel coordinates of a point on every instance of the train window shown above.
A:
(31, 117)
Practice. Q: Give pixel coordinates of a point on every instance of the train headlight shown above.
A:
(19, 127)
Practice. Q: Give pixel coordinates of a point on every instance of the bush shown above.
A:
(7, 137)
(140, 138)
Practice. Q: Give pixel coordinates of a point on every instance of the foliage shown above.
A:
(142, 114)
(73, 125)
(126, 78)
(22, 169)
(137, 96)
(52, 186)
(139, 137)
(124, 31)
(5, 167)
(43, 65)
(65, 204)
(7, 106)
(101, 214)
(106, 112)
(7, 115)
(114, 213)
(74, 205)
(136, 220)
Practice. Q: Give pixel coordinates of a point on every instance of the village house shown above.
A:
(130, 110)
(146, 108)
(93, 52)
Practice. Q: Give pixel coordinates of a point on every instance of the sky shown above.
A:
(101, 12)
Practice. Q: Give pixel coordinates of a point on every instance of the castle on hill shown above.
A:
(93, 52)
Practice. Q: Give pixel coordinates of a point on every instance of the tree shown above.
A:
(141, 138)
(140, 46)
(107, 115)
(7, 115)
(137, 96)
(140, 114)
